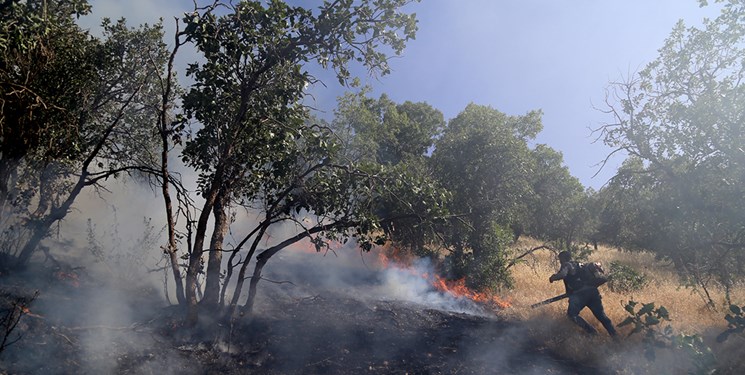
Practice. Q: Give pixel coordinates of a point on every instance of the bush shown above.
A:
(735, 322)
(487, 267)
(648, 321)
(624, 279)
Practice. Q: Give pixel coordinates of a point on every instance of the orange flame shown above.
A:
(391, 256)
(26, 311)
(69, 277)
(458, 288)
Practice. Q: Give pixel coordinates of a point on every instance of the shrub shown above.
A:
(735, 322)
(487, 267)
(624, 279)
(648, 321)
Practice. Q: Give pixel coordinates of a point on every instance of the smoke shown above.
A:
(100, 291)
(348, 270)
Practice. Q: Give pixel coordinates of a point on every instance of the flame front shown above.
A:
(392, 257)
(458, 288)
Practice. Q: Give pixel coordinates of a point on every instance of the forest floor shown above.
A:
(79, 326)
(339, 315)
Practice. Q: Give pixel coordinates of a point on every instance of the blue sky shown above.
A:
(513, 55)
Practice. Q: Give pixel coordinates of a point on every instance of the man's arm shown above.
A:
(563, 272)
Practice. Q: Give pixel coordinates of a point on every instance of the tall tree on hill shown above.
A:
(484, 161)
(399, 136)
(682, 118)
(554, 208)
(247, 96)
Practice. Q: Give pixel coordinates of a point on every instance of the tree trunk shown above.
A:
(264, 256)
(195, 258)
(41, 227)
(165, 131)
(7, 169)
(172, 248)
(261, 260)
(214, 265)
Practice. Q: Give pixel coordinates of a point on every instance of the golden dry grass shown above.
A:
(688, 311)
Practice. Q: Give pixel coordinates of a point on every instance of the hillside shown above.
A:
(347, 314)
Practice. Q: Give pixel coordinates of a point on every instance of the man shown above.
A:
(581, 295)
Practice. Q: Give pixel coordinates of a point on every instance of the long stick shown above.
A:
(550, 300)
(560, 297)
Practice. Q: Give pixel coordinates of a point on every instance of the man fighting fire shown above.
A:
(582, 293)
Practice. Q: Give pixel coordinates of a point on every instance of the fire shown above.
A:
(26, 311)
(458, 288)
(390, 256)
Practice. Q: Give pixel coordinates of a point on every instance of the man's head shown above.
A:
(565, 256)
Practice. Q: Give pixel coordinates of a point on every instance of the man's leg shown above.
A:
(576, 304)
(596, 306)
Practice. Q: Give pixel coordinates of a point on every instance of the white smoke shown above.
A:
(362, 275)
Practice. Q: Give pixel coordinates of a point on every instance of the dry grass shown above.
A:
(687, 308)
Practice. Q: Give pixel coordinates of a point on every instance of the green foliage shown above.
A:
(624, 279)
(486, 267)
(735, 322)
(483, 159)
(383, 131)
(554, 211)
(47, 65)
(75, 110)
(247, 93)
(396, 136)
(648, 320)
(680, 120)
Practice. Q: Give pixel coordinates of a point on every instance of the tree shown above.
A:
(41, 77)
(76, 112)
(246, 98)
(385, 132)
(399, 136)
(484, 161)
(682, 117)
(554, 209)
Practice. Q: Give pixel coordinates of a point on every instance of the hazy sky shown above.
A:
(513, 55)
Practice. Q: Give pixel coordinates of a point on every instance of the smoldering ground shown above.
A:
(102, 310)
(342, 312)
(316, 313)
(97, 290)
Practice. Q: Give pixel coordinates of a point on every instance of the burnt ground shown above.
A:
(77, 325)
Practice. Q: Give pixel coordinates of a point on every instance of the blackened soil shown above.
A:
(78, 328)
(340, 335)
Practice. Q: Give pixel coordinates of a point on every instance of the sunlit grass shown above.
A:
(688, 310)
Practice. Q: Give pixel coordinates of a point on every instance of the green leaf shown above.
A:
(735, 309)
(630, 307)
(663, 313)
(626, 322)
(646, 309)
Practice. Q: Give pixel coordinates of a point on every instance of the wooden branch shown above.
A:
(528, 252)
